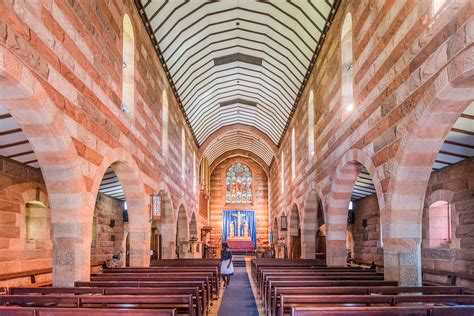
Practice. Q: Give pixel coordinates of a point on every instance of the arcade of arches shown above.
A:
(356, 146)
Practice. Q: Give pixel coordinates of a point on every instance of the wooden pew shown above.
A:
(271, 306)
(302, 269)
(368, 275)
(214, 269)
(158, 301)
(265, 282)
(40, 311)
(202, 283)
(200, 303)
(165, 284)
(385, 311)
(159, 277)
(327, 283)
(151, 275)
(288, 301)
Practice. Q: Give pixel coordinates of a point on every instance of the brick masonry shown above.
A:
(411, 66)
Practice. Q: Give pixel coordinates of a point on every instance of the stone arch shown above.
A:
(309, 224)
(239, 153)
(447, 95)
(343, 180)
(239, 127)
(294, 232)
(44, 126)
(126, 169)
(166, 223)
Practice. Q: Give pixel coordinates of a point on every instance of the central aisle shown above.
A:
(238, 297)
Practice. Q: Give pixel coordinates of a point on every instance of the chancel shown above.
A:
(236, 157)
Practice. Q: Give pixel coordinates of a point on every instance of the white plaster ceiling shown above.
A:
(237, 61)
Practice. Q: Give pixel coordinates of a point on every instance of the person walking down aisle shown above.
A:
(227, 268)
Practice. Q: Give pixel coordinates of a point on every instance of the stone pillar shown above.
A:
(308, 247)
(71, 253)
(139, 248)
(336, 253)
(168, 250)
(402, 261)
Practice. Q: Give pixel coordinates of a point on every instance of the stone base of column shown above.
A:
(308, 249)
(336, 253)
(139, 249)
(402, 261)
(71, 260)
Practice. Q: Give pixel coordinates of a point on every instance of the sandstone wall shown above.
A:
(453, 184)
(18, 223)
(367, 238)
(405, 57)
(108, 239)
(218, 204)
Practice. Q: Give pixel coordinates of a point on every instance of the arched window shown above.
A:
(164, 118)
(282, 176)
(310, 125)
(293, 154)
(346, 64)
(437, 5)
(128, 71)
(194, 171)
(238, 184)
(183, 152)
(439, 214)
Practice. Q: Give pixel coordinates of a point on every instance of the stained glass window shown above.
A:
(239, 184)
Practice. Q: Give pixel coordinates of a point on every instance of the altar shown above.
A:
(239, 230)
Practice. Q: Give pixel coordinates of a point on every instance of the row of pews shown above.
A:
(307, 287)
(168, 287)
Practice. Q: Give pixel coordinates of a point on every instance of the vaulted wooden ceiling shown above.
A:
(237, 61)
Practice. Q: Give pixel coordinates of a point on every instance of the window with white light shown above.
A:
(311, 125)
(282, 177)
(164, 118)
(293, 155)
(128, 66)
(183, 152)
(346, 64)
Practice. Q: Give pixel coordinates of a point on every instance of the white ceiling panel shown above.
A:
(216, 51)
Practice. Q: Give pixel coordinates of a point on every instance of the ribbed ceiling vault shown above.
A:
(237, 61)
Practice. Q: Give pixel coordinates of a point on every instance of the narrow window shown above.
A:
(439, 214)
(346, 64)
(183, 152)
(310, 125)
(128, 64)
(282, 177)
(164, 118)
(293, 155)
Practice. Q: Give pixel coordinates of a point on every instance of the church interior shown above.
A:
(325, 146)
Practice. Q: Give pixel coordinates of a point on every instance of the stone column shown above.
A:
(139, 248)
(336, 253)
(402, 261)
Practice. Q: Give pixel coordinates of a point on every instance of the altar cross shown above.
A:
(239, 216)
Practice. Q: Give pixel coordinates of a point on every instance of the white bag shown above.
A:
(225, 270)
